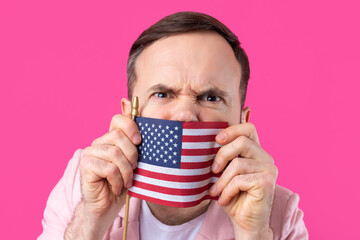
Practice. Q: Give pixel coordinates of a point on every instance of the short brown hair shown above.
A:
(183, 22)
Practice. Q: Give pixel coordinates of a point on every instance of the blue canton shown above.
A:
(161, 142)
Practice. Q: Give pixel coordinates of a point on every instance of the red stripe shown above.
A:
(173, 178)
(171, 191)
(203, 138)
(204, 125)
(170, 203)
(196, 165)
(199, 152)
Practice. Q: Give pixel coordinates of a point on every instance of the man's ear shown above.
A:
(126, 107)
(245, 115)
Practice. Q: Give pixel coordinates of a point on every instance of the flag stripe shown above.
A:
(175, 178)
(172, 171)
(203, 158)
(192, 165)
(198, 152)
(191, 125)
(172, 191)
(200, 145)
(203, 138)
(199, 132)
(172, 203)
(179, 185)
(169, 197)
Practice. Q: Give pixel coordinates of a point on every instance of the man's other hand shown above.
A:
(247, 185)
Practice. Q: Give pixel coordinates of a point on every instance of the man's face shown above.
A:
(189, 77)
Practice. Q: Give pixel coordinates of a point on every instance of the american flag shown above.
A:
(175, 161)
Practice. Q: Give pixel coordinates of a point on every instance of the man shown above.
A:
(186, 67)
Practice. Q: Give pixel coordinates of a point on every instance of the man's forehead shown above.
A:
(196, 51)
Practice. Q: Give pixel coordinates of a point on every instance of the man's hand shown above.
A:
(248, 182)
(106, 169)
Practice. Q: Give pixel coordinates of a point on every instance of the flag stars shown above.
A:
(160, 145)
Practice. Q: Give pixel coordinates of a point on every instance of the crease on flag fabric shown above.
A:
(175, 161)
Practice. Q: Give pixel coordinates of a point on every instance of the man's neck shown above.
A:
(176, 216)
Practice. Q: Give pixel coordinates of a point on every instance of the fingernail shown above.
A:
(215, 167)
(221, 137)
(136, 138)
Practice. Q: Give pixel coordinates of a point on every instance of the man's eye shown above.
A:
(161, 95)
(210, 98)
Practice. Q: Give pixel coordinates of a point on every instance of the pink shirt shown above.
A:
(286, 218)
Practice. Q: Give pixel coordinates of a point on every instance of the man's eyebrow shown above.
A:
(161, 88)
(210, 91)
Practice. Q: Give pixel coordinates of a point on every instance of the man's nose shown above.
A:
(185, 111)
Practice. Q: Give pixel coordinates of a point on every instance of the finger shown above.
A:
(96, 169)
(242, 183)
(114, 155)
(236, 167)
(229, 134)
(118, 138)
(241, 146)
(128, 126)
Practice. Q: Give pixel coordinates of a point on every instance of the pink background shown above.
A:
(63, 73)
